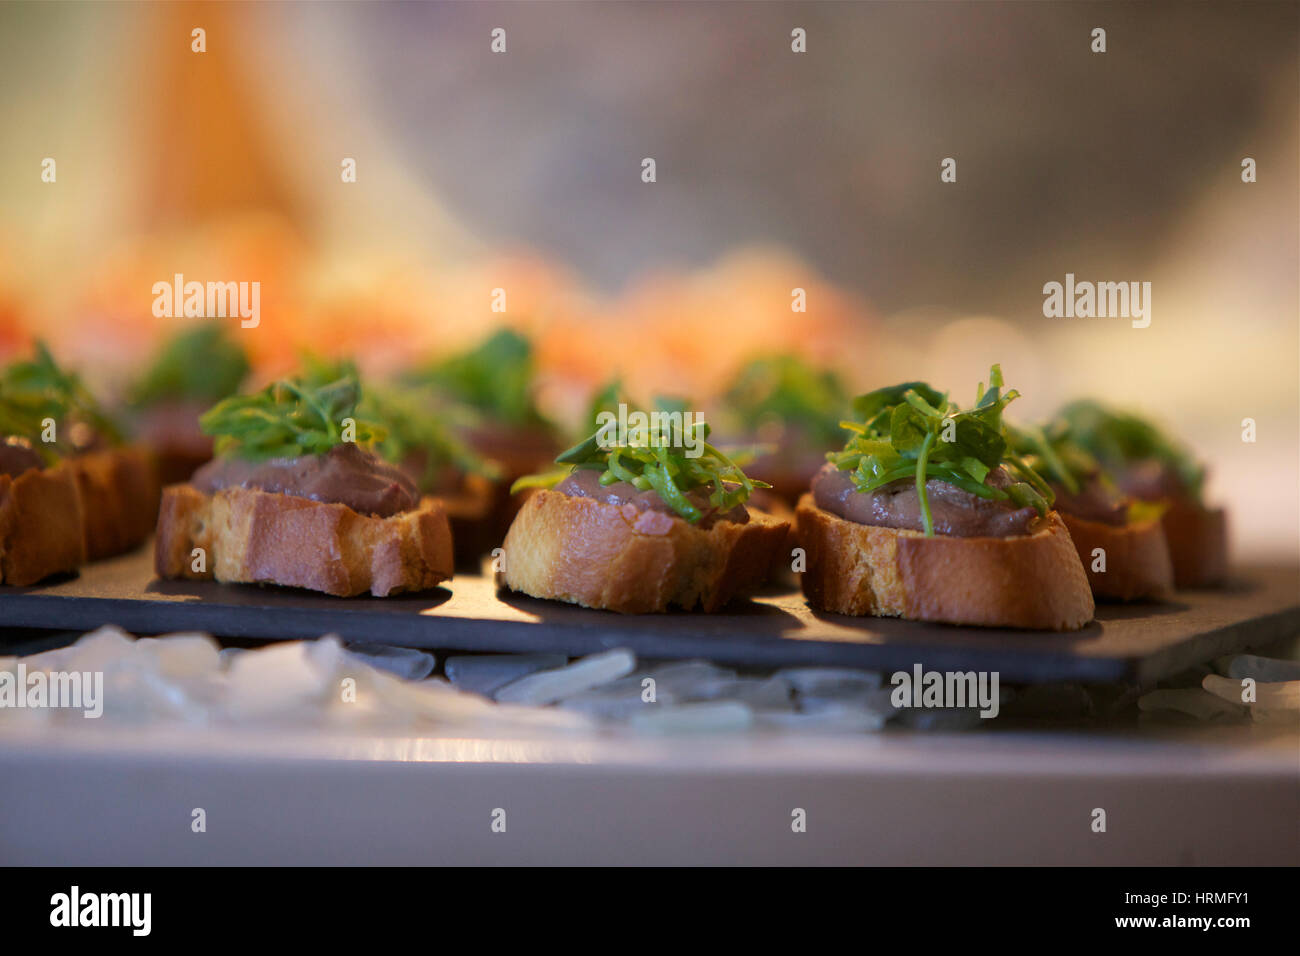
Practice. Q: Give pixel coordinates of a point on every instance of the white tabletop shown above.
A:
(112, 795)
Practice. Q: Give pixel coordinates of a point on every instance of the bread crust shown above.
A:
(1198, 544)
(1027, 581)
(1137, 558)
(119, 498)
(600, 555)
(780, 571)
(256, 537)
(40, 525)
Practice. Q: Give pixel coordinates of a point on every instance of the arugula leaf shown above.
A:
(1120, 439)
(201, 363)
(658, 466)
(288, 418)
(867, 407)
(34, 390)
(909, 431)
(978, 439)
(913, 431)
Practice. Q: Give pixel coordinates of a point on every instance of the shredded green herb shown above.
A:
(658, 463)
(288, 418)
(201, 363)
(37, 389)
(415, 419)
(1053, 451)
(1055, 455)
(1121, 439)
(913, 431)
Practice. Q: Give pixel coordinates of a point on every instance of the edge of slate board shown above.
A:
(775, 630)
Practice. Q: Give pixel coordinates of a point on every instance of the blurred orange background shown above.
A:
(521, 171)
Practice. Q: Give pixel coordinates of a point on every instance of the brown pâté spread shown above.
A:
(17, 456)
(1151, 480)
(585, 483)
(896, 505)
(1094, 502)
(345, 475)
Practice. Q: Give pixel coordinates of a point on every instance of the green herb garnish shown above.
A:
(414, 424)
(1120, 440)
(788, 390)
(611, 395)
(415, 419)
(290, 418)
(658, 462)
(496, 378)
(912, 431)
(1054, 454)
(604, 399)
(200, 364)
(38, 389)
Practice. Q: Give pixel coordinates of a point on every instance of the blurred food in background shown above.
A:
(194, 370)
(50, 420)
(793, 410)
(812, 183)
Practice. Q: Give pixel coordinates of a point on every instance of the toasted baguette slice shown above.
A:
(40, 525)
(780, 572)
(253, 536)
(1030, 581)
(119, 498)
(620, 558)
(1137, 558)
(1198, 544)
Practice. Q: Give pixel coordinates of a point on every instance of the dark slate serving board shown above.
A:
(1136, 642)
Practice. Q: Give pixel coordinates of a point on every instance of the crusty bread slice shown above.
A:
(254, 536)
(119, 498)
(1029, 581)
(780, 572)
(40, 525)
(1198, 544)
(1137, 558)
(623, 559)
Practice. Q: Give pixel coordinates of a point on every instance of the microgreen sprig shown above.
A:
(289, 418)
(661, 466)
(1121, 439)
(415, 419)
(1054, 453)
(913, 431)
